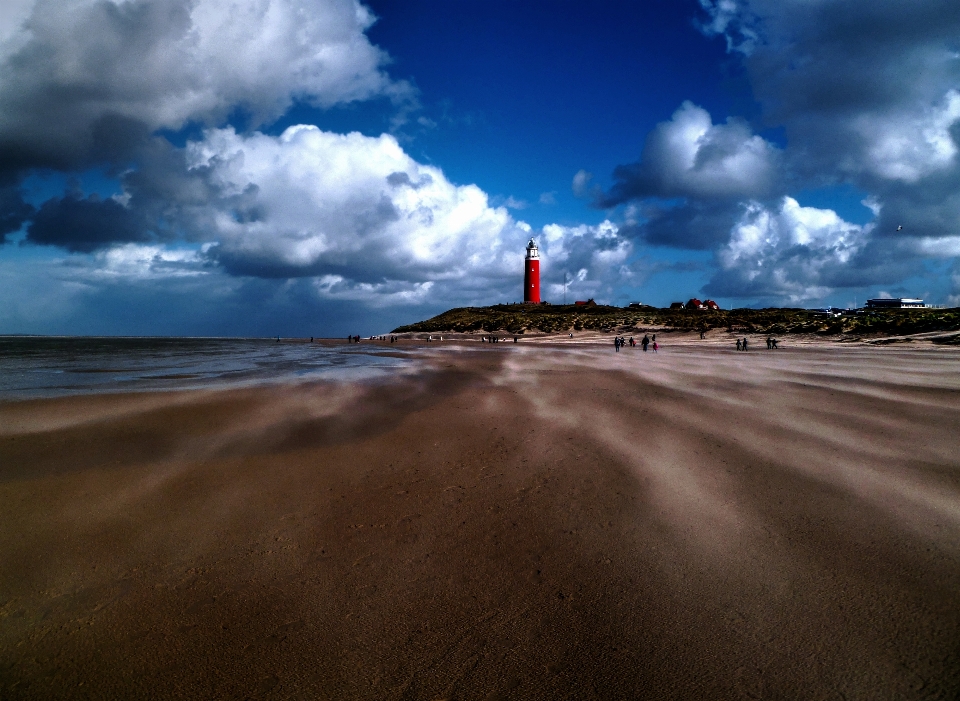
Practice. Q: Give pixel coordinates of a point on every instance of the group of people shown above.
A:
(771, 344)
(621, 341)
(618, 341)
(356, 339)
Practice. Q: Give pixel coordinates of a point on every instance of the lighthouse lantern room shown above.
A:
(531, 274)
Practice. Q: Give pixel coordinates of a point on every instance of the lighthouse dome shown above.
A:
(532, 251)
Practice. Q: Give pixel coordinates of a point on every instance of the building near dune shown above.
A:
(585, 303)
(695, 303)
(531, 274)
(895, 303)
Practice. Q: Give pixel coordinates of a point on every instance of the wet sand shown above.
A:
(511, 521)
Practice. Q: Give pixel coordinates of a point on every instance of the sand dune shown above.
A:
(512, 521)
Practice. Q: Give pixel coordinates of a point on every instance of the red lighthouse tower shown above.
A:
(531, 274)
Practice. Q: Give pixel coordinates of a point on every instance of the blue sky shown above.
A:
(330, 167)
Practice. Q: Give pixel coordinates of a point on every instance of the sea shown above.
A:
(53, 366)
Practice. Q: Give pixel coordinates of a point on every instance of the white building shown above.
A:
(896, 303)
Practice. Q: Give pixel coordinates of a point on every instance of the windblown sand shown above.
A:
(509, 521)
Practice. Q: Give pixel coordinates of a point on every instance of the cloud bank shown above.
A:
(304, 215)
(864, 96)
(867, 96)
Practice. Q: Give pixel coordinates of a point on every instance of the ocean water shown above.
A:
(32, 366)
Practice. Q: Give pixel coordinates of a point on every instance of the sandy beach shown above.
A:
(504, 521)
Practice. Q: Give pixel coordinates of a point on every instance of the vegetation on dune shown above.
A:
(521, 318)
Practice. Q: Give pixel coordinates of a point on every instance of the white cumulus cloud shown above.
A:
(690, 156)
(908, 146)
(790, 252)
(310, 202)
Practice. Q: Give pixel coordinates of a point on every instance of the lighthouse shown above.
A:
(531, 274)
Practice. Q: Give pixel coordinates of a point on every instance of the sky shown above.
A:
(331, 167)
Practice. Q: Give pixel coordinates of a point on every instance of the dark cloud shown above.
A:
(693, 224)
(83, 224)
(934, 212)
(14, 212)
(85, 81)
(402, 179)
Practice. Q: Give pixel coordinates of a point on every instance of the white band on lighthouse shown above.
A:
(532, 251)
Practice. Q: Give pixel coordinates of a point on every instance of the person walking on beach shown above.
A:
(645, 342)
(655, 346)
(738, 345)
(616, 343)
(744, 344)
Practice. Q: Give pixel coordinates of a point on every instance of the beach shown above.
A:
(495, 521)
